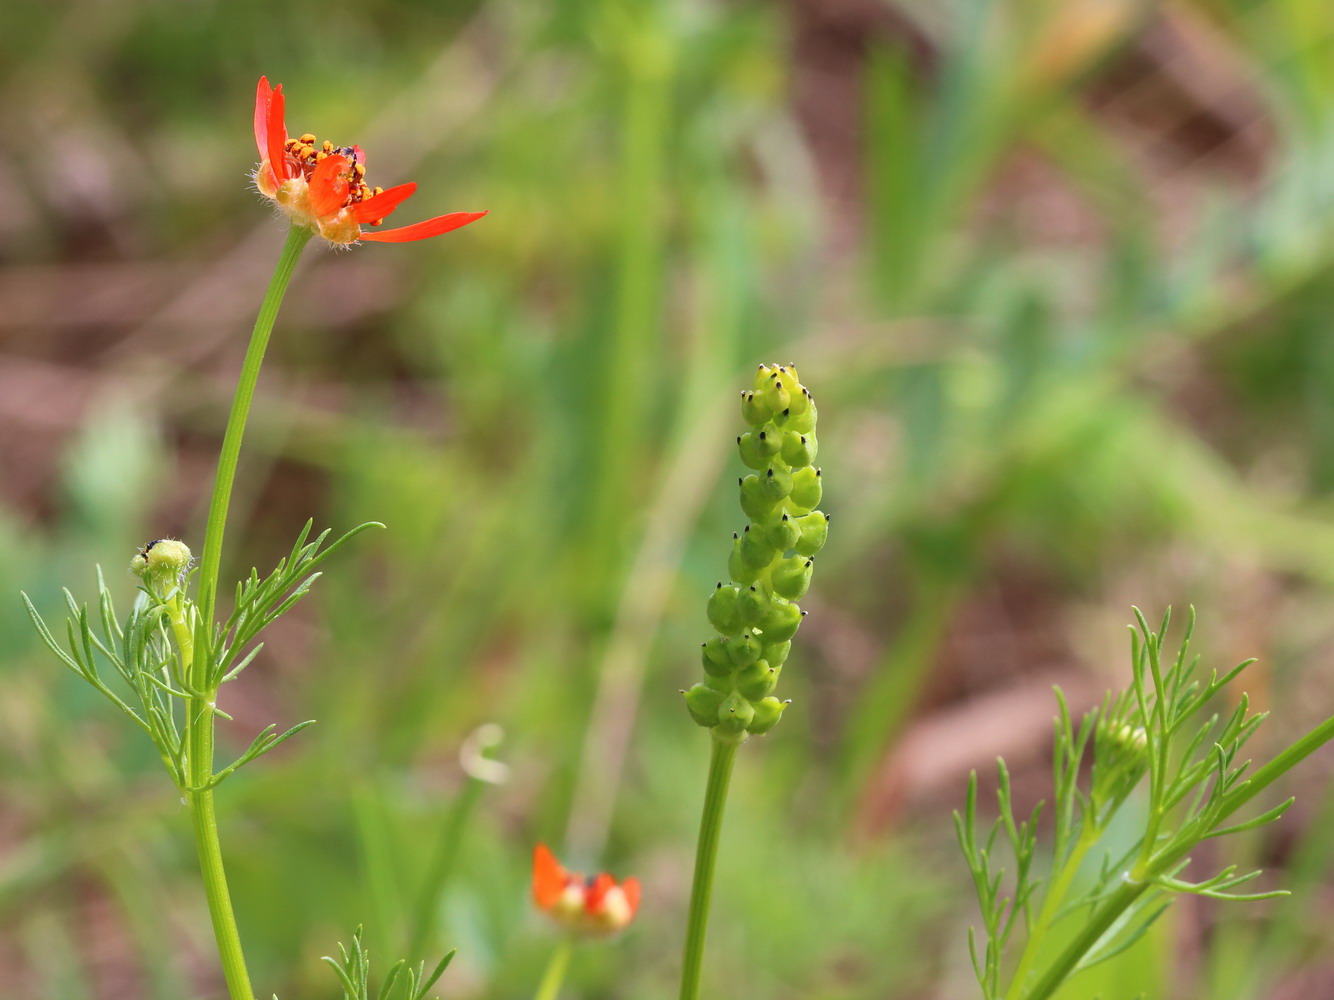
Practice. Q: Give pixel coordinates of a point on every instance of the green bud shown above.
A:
(776, 393)
(738, 568)
(756, 680)
(801, 401)
(750, 454)
(770, 563)
(743, 651)
(783, 534)
(792, 576)
(781, 622)
(814, 530)
(722, 610)
(798, 449)
(777, 482)
(755, 500)
(802, 421)
(768, 441)
(752, 604)
(734, 714)
(754, 410)
(765, 716)
(703, 704)
(806, 489)
(162, 563)
(755, 549)
(716, 656)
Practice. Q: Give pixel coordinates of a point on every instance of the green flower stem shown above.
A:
(1051, 906)
(1141, 879)
(706, 858)
(200, 714)
(205, 821)
(549, 988)
(198, 771)
(442, 864)
(211, 560)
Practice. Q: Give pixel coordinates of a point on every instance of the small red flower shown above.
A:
(594, 905)
(323, 187)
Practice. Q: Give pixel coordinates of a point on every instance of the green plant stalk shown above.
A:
(1051, 905)
(211, 560)
(1140, 880)
(706, 857)
(198, 770)
(554, 976)
(200, 711)
(443, 863)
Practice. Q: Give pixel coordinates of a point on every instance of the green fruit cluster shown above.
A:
(756, 614)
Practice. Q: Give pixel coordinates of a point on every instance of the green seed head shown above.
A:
(770, 562)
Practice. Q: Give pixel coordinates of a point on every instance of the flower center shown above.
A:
(305, 153)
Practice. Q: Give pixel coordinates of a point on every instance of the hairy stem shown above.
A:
(706, 857)
(211, 560)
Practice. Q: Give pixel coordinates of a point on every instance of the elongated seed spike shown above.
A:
(771, 560)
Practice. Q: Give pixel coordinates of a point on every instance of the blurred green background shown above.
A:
(1060, 275)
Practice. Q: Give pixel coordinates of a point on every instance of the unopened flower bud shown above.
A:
(756, 550)
(755, 500)
(703, 703)
(781, 622)
(776, 652)
(163, 563)
(750, 454)
(756, 680)
(738, 567)
(783, 533)
(722, 610)
(752, 604)
(798, 449)
(806, 489)
(743, 651)
(814, 529)
(765, 716)
(716, 657)
(754, 410)
(776, 394)
(734, 714)
(803, 421)
(792, 576)
(777, 482)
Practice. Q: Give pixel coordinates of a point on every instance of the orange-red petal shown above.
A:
(276, 135)
(631, 889)
(424, 230)
(263, 95)
(379, 206)
(548, 877)
(597, 892)
(328, 185)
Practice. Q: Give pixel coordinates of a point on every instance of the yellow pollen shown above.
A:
(328, 146)
(378, 190)
(308, 137)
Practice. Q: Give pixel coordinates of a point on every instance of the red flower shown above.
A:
(322, 186)
(593, 906)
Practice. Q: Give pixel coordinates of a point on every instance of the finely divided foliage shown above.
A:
(1097, 900)
(159, 674)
